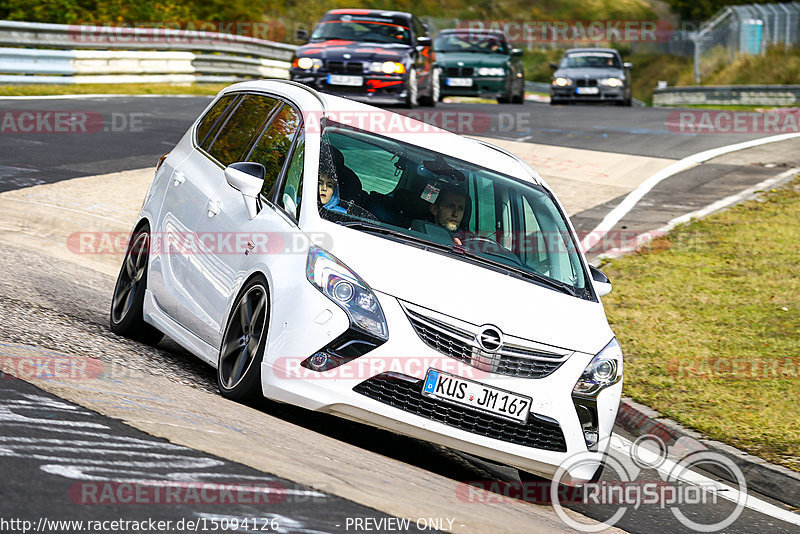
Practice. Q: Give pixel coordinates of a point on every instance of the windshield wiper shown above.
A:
(374, 228)
(459, 250)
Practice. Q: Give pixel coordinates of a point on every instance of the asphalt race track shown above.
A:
(150, 417)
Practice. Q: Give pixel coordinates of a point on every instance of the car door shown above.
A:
(190, 179)
(206, 173)
(225, 230)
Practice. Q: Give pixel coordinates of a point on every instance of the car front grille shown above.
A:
(405, 393)
(586, 82)
(460, 342)
(346, 67)
(455, 72)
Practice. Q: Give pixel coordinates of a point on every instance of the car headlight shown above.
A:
(387, 67)
(307, 63)
(491, 71)
(604, 370)
(348, 291)
(611, 82)
(562, 82)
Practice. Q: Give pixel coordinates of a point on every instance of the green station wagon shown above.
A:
(479, 63)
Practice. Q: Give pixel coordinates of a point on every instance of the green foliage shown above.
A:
(705, 9)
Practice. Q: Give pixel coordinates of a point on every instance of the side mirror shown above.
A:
(301, 35)
(248, 179)
(627, 65)
(553, 66)
(600, 281)
(516, 52)
(424, 41)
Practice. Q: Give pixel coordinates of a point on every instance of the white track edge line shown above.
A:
(730, 493)
(645, 237)
(633, 198)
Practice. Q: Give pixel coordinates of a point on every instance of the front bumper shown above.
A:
(376, 88)
(552, 434)
(482, 86)
(604, 94)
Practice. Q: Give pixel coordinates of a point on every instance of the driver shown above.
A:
(448, 212)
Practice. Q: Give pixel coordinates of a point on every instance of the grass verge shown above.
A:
(709, 319)
(113, 89)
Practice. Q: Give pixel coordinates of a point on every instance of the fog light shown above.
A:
(318, 360)
(591, 437)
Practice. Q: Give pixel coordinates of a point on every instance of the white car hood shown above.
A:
(474, 294)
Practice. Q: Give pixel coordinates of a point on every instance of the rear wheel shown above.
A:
(435, 90)
(127, 304)
(239, 364)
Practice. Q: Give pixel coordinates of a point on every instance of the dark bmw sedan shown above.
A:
(591, 74)
(380, 57)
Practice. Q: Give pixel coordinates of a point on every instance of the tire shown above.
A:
(242, 347)
(502, 99)
(435, 91)
(127, 304)
(412, 98)
(519, 98)
(555, 101)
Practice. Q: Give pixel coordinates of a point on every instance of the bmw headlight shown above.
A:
(348, 291)
(387, 67)
(611, 82)
(562, 82)
(604, 370)
(491, 71)
(307, 63)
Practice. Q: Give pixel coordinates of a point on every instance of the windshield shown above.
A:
(470, 42)
(362, 30)
(421, 197)
(595, 60)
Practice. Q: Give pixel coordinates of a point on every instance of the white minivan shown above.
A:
(350, 260)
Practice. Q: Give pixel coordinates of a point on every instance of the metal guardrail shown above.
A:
(744, 95)
(59, 53)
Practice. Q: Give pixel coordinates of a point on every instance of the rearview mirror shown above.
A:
(302, 35)
(600, 281)
(516, 52)
(553, 66)
(627, 65)
(248, 179)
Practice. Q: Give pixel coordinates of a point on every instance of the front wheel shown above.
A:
(127, 304)
(239, 364)
(412, 94)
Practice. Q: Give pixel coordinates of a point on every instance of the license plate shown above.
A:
(459, 82)
(340, 79)
(479, 396)
(587, 90)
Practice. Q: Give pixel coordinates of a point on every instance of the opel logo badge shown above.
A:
(460, 63)
(490, 338)
(347, 56)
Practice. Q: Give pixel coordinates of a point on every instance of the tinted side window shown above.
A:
(419, 29)
(291, 194)
(213, 119)
(273, 147)
(242, 126)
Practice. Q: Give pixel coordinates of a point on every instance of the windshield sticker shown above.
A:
(430, 193)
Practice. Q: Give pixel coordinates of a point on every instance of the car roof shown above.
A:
(498, 33)
(368, 12)
(478, 152)
(583, 50)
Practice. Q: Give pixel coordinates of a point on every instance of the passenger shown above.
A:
(329, 193)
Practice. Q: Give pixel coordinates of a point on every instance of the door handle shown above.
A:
(178, 178)
(213, 208)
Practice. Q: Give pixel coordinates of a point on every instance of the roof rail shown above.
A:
(507, 153)
(311, 90)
